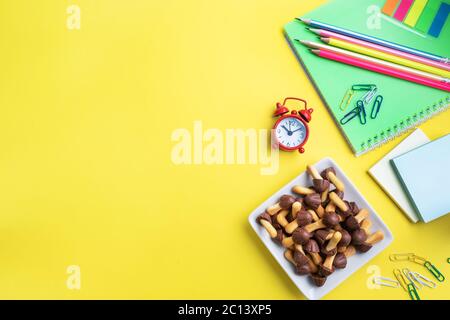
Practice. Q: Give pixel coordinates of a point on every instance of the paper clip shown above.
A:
(376, 106)
(367, 98)
(412, 292)
(448, 260)
(362, 112)
(401, 280)
(410, 277)
(400, 256)
(424, 281)
(347, 99)
(349, 116)
(363, 87)
(415, 279)
(386, 282)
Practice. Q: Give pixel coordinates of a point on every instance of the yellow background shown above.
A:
(86, 176)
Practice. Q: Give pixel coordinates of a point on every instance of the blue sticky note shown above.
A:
(424, 173)
(439, 20)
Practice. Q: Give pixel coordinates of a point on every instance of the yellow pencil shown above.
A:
(385, 56)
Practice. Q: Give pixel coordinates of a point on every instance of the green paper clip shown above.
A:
(362, 112)
(412, 292)
(349, 116)
(448, 260)
(363, 87)
(376, 107)
(434, 271)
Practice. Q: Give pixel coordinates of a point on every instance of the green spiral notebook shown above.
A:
(405, 104)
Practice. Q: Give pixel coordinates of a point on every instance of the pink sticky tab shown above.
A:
(403, 9)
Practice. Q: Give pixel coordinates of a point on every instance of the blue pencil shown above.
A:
(360, 36)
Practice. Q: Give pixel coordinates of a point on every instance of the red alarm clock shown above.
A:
(291, 129)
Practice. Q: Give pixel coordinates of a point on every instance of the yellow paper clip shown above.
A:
(347, 99)
(400, 278)
(400, 257)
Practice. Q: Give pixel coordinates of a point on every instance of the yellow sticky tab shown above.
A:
(415, 12)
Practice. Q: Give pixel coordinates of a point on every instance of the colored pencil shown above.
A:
(384, 56)
(375, 61)
(354, 34)
(401, 54)
(381, 69)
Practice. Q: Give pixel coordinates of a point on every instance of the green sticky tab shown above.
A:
(427, 16)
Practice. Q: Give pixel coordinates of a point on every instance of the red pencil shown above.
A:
(381, 69)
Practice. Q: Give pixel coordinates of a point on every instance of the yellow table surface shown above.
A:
(86, 171)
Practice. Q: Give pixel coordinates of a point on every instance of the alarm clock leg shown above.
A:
(301, 150)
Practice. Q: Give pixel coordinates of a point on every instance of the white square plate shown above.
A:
(303, 283)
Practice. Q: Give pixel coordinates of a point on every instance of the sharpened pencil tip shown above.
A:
(315, 51)
(316, 31)
(326, 40)
(307, 21)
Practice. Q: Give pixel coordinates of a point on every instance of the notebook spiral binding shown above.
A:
(405, 125)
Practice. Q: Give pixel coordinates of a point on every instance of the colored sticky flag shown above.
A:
(389, 7)
(403, 9)
(439, 20)
(415, 12)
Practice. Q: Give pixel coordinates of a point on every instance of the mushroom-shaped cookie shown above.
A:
(296, 207)
(285, 203)
(352, 222)
(301, 236)
(371, 240)
(300, 258)
(280, 236)
(331, 247)
(338, 202)
(353, 208)
(313, 249)
(345, 240)
(304, 218)
(319, 224)
(313, 201)
(350, 251)
(365, 225)
(289, 256)
(318, 280)
(340, 261)
(323, 235)
(265, 220)
(330, 219)
(326, 268)
(302, 190)
(359, 237)
(340, 194)
(303, 269)
(320, 185)
(330, 175)
(312, 267)
(281, 218)
(314, 215)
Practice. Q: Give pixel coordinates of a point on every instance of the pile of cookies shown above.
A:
(319, 229)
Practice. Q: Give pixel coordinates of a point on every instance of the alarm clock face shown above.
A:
(290, 132)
